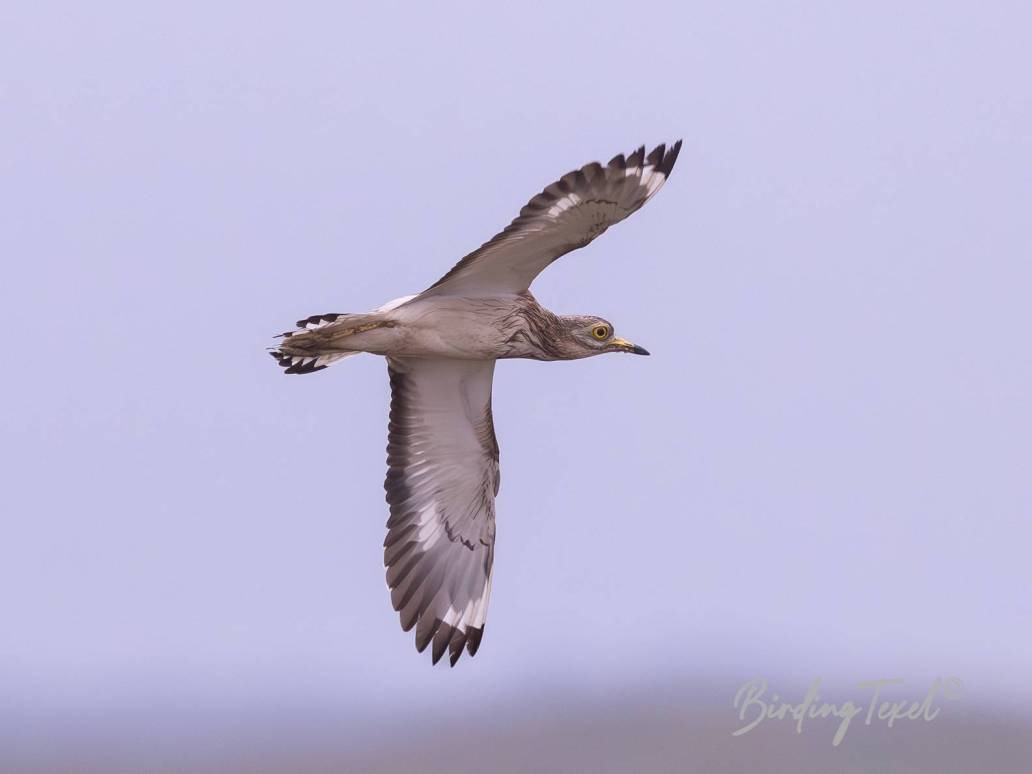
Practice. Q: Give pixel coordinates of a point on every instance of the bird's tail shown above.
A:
(323, 339)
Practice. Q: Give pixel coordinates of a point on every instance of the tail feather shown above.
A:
(307, 364)
(318, 342)
(316, 321)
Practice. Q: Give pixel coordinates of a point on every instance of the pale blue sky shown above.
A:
(823, 468)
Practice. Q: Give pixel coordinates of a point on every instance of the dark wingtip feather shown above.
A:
(473, 637)
(635, 159)
(656, 157)
(423, 638)
(454, 654)
(408, 623)
(667, 165)
(456, 646)
(593, 171)
(441, 640)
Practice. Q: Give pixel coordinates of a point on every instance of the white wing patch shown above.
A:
(564, 204)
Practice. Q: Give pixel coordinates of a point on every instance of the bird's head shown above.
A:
(594, 336)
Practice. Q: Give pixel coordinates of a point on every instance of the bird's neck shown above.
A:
(535, 332)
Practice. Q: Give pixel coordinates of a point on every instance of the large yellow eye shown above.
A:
(600, 332)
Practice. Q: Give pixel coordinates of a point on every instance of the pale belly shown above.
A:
(453, 328)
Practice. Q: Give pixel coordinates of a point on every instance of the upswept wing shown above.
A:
(568, 214)
(441, 484)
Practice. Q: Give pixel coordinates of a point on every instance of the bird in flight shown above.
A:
(441, 346)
